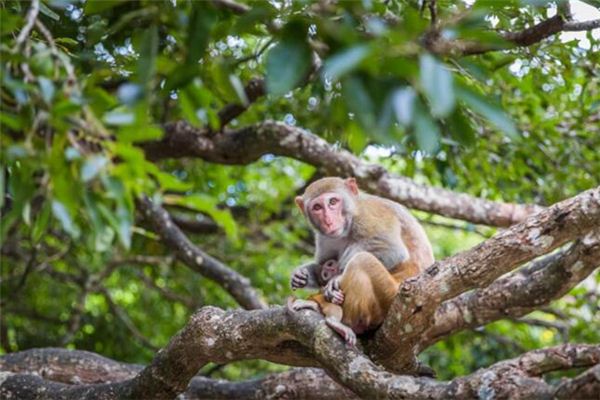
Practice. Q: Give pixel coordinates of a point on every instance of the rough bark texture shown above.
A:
(246, 145)
(303, 339)
(413, 310)
(519, 293)
(519, 378)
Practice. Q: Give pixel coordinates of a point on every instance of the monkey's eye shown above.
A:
(317, 207)
(333, 201)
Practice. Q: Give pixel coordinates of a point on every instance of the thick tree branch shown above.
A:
(435, 42)
(519, 293)
(237, 285)
(248, 144)
(413, 309)
(81, 367)
(518, 378)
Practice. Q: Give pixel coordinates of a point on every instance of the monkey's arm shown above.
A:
(305, 276)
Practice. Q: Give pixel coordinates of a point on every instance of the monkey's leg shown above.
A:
(343, 330)
(333, 317)
(369, 290)
(300, 304)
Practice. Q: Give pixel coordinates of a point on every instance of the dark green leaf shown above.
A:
(62, 214)
(427, 133)
(202, 20)
(491, 111)
(92, 166)
(359, 102)
(288, 62)
(343, 62)
(148, 50)
(47, 89)
(48, 12)
(436, 81)
(404, 103)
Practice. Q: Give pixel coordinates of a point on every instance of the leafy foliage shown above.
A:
(82, 89)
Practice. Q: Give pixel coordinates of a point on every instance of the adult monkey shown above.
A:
(378, 244)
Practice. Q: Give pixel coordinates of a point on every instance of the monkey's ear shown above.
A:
(351, 184)
(300, 203)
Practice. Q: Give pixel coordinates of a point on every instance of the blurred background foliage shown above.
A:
(92, 78)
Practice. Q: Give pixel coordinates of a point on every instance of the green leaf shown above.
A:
(436, 81)
(66, 41)
(460, 128)
(41, 223)
(62, 214)
(119, 117)
(202, 20)
(359, 102)
(48, 12)
(47, 89)
(403, 101)
(147, 60)
(427, 133)
(288, 62)
(491, 111)
(12, 121)
(139, 133)
(343, 62)
(92, 166)
(357, 140)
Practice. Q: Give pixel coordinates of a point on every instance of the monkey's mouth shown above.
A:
(333, 231)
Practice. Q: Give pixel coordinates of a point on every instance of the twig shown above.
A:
(255, 55)
(30, 18)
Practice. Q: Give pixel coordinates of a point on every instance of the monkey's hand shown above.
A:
(299, 278)
(333, 293)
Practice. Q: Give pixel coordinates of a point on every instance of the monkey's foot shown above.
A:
(344, 331)
(299, 304)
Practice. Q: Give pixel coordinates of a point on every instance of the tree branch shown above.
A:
(246, 145)
(519, 293)
(237, 285)
(413, 309)
(517, 378)
(435, 42)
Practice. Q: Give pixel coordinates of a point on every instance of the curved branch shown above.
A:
(237, 285)
(248, 144)
(413, 309)
(516, 378)
(78, 367)
(518, 294)
(583, 386)
(435, 42)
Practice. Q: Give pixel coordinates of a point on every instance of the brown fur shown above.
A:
(368, 286)
(370, 290)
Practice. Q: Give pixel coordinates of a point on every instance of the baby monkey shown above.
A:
(333, 312)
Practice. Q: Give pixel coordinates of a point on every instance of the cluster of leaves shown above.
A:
(93, 79)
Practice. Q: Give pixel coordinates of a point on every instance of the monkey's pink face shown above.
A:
(327, 214)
